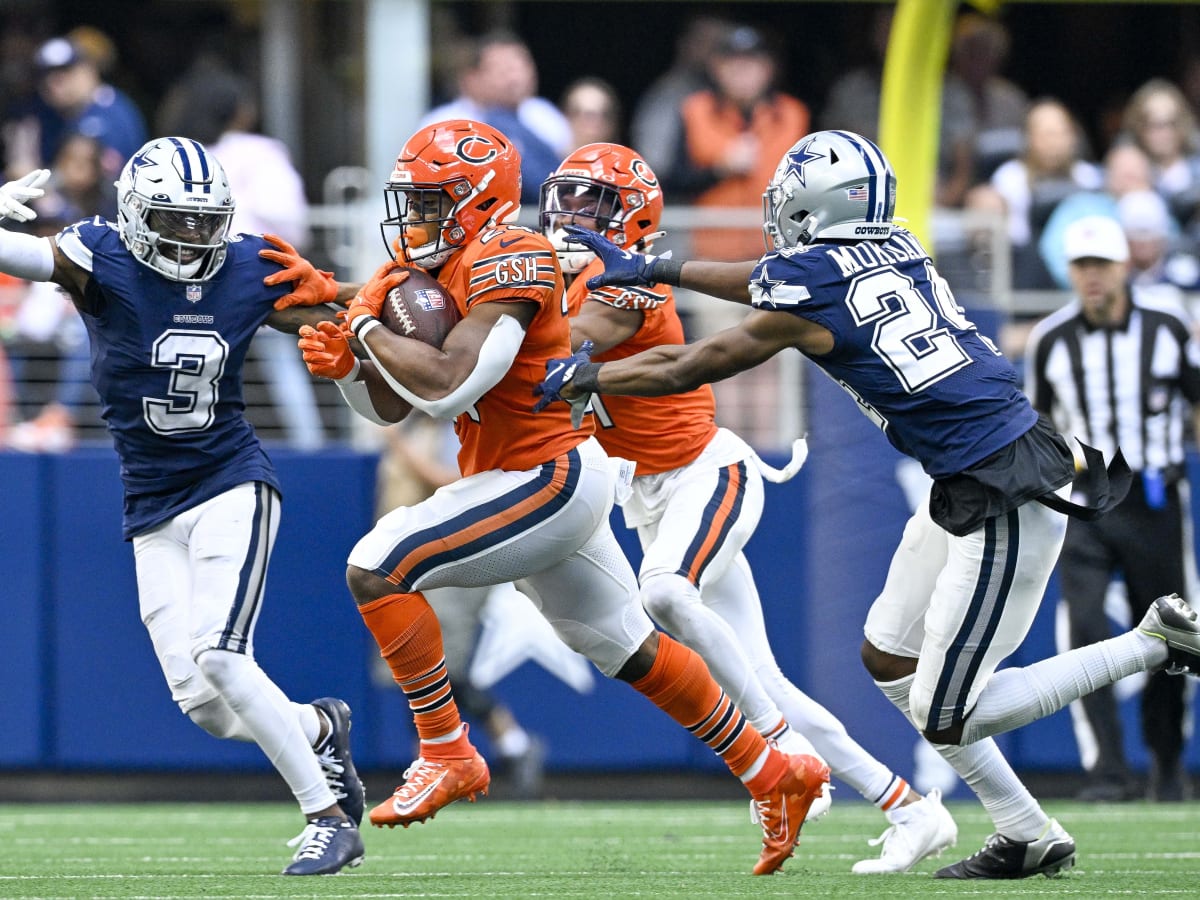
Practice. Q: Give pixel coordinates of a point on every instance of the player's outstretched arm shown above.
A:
(624, 268)
(674, 369)
(310, 286)
(25, 255)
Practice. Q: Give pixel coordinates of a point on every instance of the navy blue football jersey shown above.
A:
(903, 348)
(167, 361)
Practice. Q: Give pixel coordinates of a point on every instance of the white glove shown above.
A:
(15, 194)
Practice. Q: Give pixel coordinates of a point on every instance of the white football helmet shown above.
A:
(174, 207)
(830, 185)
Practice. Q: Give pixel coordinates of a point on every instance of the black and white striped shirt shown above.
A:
(1127, 385)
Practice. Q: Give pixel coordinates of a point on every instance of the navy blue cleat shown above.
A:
(327, 845)
(333, 753)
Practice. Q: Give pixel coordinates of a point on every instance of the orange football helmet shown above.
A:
(451, 180)
(608, 188)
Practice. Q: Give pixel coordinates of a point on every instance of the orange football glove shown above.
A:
(368, 302)
(310, 285)
(326, 351)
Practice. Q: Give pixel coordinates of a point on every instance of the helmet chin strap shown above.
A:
(807, 229)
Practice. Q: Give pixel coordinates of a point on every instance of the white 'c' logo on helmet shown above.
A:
(641, 171)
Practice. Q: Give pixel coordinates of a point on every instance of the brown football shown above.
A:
(420, 308)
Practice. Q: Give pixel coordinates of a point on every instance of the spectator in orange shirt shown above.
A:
(735, 133)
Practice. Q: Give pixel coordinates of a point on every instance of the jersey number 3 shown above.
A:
(196, 360)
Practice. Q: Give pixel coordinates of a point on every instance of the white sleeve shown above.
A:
(496, 357)
(358, 396)
(26, 256)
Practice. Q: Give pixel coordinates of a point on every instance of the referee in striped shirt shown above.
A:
(1113, 370)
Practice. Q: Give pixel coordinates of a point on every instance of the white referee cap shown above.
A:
(1095, 237)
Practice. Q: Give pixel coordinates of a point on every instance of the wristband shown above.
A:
(667, 271)
(352, 375)
(364, 325)
(587, 378)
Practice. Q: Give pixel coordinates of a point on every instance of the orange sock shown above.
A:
(410, 639)
(680, 685)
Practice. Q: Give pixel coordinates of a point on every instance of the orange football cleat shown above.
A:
(781, 811)
(430, 784)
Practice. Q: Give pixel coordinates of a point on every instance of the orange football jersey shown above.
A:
(505, 264)
(658, 433)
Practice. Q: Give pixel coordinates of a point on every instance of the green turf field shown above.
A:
(551, 850)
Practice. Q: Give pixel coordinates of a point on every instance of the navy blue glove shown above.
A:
(622, 268)
(559, 373)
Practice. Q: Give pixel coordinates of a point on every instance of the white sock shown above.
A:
(311, 720)
(270, 718)
(1013, 810)
(847, 759)
(1016, 697)
(445, 738)
(756, 766)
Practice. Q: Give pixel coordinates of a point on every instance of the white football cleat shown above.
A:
(917, 831)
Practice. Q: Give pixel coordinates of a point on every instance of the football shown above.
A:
(419, 308)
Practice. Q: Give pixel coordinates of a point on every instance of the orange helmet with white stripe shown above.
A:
(605, 187)
(451, 180)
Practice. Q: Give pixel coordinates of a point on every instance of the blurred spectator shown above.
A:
(997, 106)
(1031, 185)
(1159, 120)
(219, 109)
(79, 186)
(735, 133)
(1126, 168)
(48, 341)
(657, 127)
(498, 85)
(1159, 266)
(74, 98)
(593, 109)
(853, 101)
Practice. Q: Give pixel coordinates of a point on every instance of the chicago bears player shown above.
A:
(698, 495)
(533, 503)
(861, 298)
(171, 300)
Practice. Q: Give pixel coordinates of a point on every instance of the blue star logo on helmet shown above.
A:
(801, 157)
(141, 158)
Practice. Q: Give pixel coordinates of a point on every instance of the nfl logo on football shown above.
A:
(430, 300)
(193, 293)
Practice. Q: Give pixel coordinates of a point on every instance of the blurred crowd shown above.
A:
(712, 124)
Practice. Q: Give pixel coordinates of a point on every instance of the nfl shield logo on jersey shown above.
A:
(194, 293)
